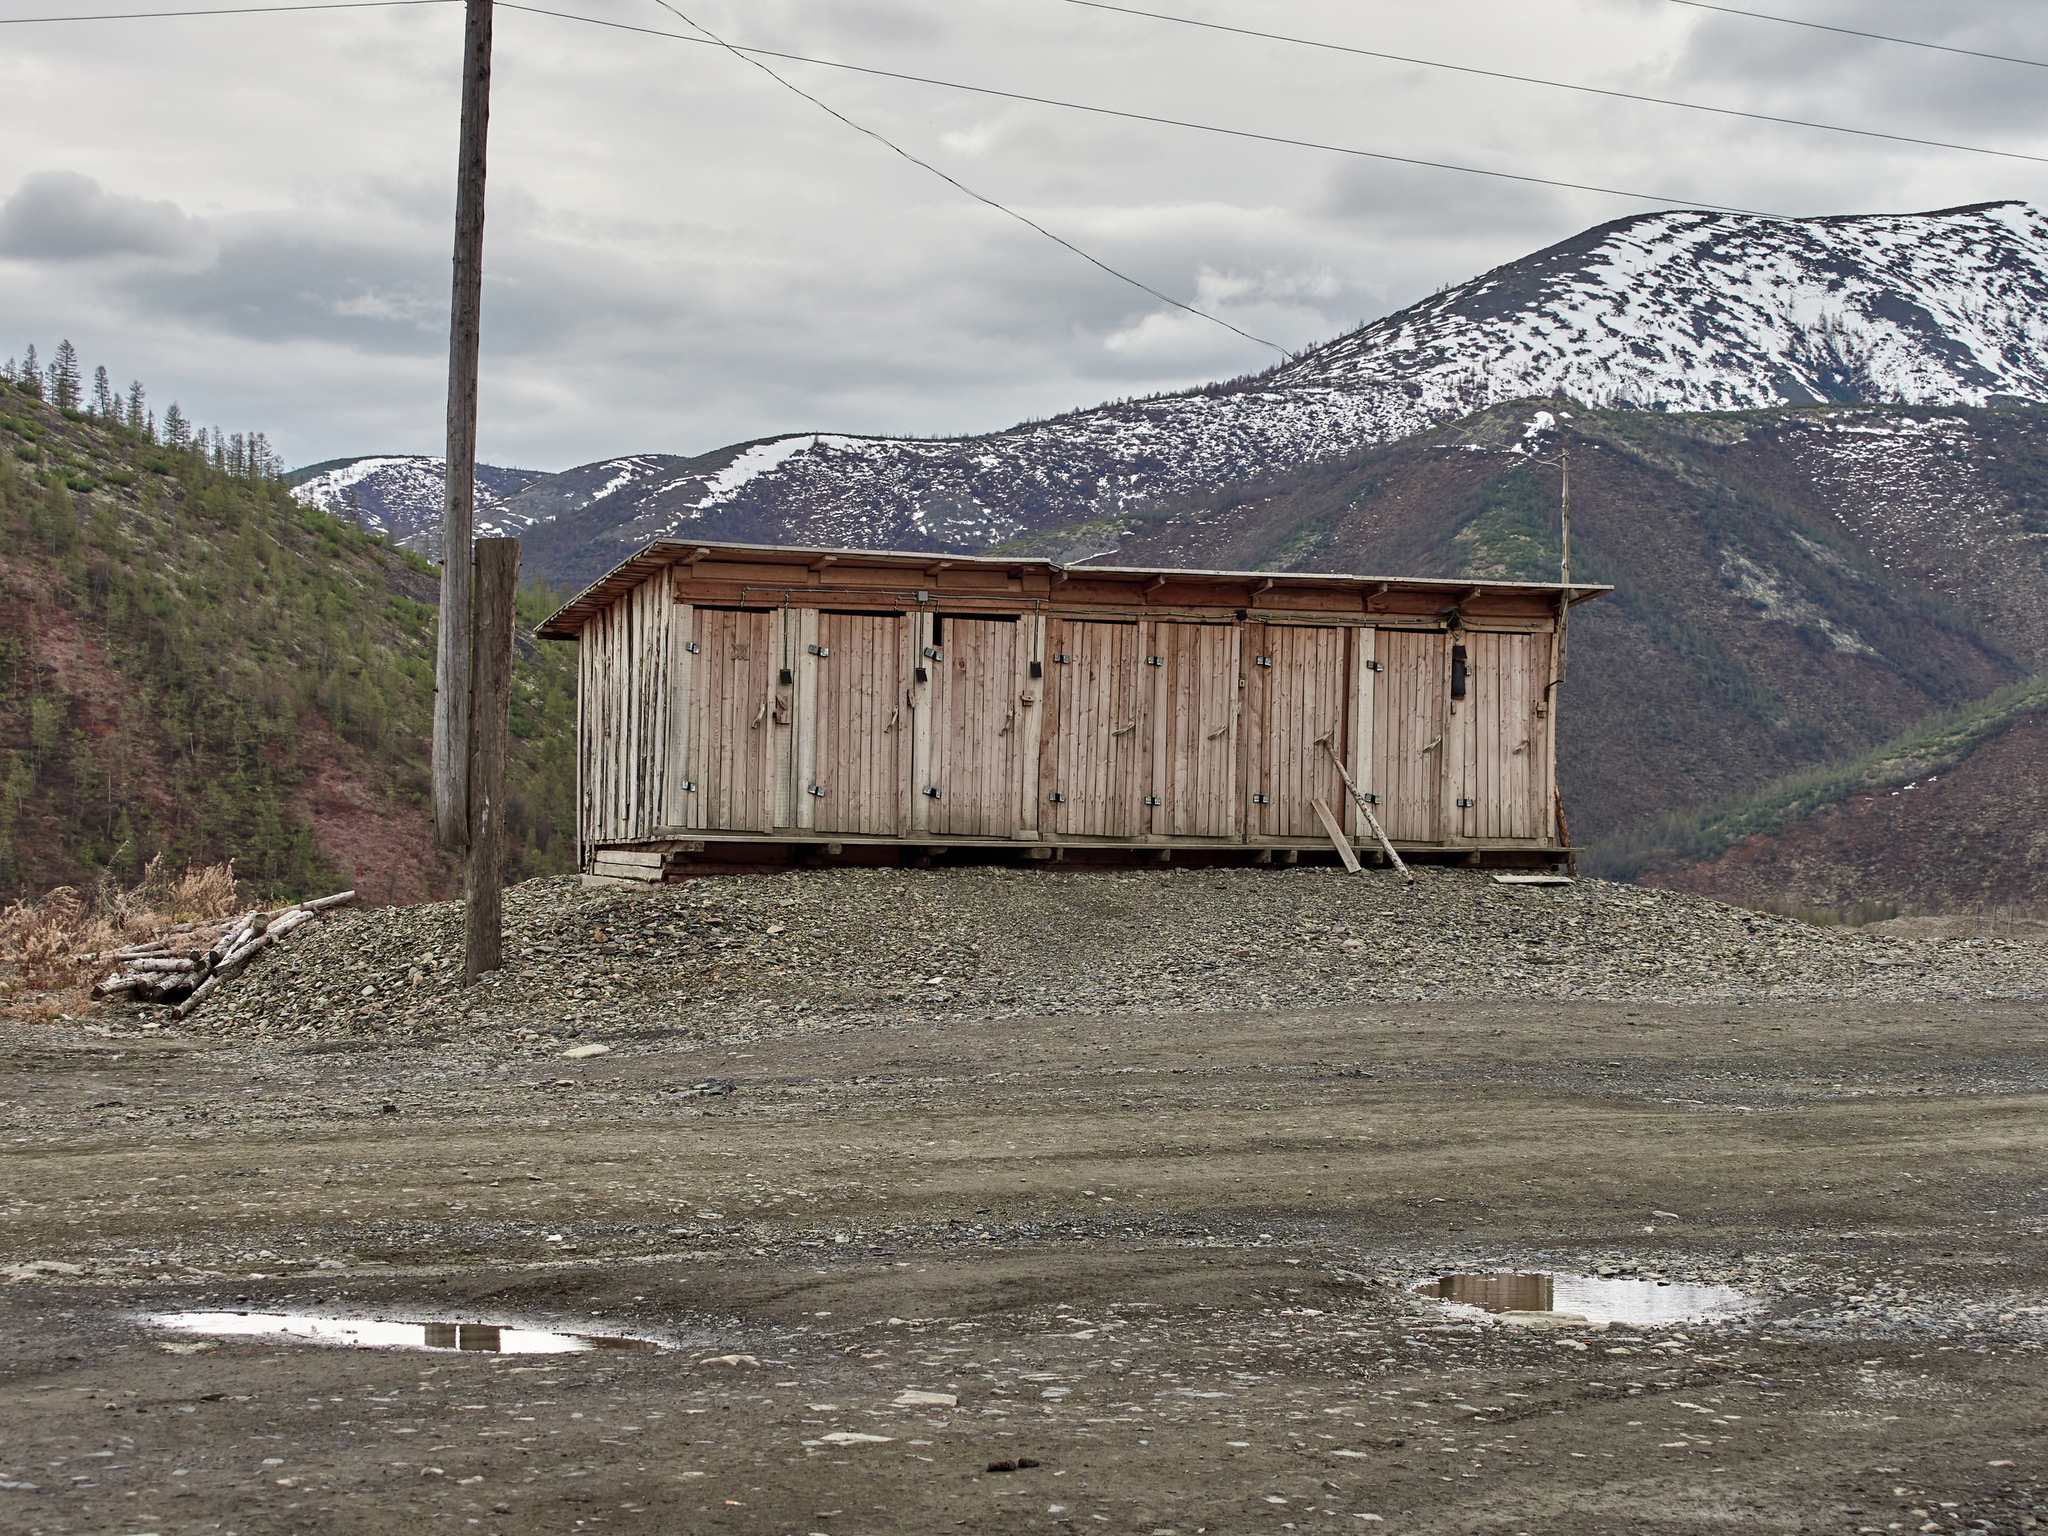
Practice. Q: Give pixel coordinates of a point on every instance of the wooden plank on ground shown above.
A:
(1330, 825)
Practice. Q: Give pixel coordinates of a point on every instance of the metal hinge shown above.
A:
(1370, 798)
(1262, 661)
(821, 650)
(1155, 661)
(1374, 666)
(1262, 799)
(1060, 657)
(935, 653)
(1057, 798)
(689, 786)
(816, 789)
(1152, 800)
(932, 790)
(692, 647)
(1466, 805)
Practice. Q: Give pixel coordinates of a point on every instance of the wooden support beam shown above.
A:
(497, 579)
(458, 497)
(1328, 818)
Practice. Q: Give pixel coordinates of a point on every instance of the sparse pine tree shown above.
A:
(67, 385)
(135, 399)
(177, 430)
(149, 427)
(105, 404)
(31, 372)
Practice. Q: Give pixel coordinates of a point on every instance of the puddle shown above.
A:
(1538, 1298)
(365, 1333)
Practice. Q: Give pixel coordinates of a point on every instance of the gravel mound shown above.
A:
(716, 955)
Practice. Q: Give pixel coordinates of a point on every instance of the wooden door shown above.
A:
(1411, 703)
(1295, 687)
(732, 738)
(859, 764)
(1194, 729)
(1095, 757)
(1501, 767)
(978, 724)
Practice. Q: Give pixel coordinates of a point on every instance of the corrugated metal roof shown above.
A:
(566, 623)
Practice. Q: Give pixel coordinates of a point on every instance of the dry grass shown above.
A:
(56, 943)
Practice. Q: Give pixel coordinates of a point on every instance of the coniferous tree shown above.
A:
(66, 383)
(177, 430)
(135, 399)
(31, 372)
(104, 403)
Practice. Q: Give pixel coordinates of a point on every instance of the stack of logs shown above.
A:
(171, 970)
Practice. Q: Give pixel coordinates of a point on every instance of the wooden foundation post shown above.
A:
(490, 697)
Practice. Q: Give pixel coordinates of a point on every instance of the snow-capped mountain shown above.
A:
(400, 496)
(1676, 311)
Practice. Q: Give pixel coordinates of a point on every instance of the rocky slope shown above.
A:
(1676, 311)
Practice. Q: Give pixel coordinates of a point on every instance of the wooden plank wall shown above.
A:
(978, 727)
(624, 701)
(733, 739)
(1202, 733)
(861, 757)
(1410, 712)
(1194, 752)
(1099, 744)
(1295, 704)
(1504, 771)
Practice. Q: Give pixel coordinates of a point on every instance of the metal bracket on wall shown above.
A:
(821, 650)
(692, 647)
(1153, 800)
(1155, 661)
(1262, 661)
(1262, 799)
(816, 789)
(689, 786)
(932, 790)
(1057, 798)
(1466, 805)
(1060, 657)
(1374, 666)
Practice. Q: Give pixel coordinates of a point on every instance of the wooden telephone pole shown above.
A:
(458, 503)
(473, 662)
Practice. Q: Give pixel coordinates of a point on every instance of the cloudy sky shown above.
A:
(252, 213)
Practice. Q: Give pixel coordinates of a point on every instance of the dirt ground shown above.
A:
(1169, 1260)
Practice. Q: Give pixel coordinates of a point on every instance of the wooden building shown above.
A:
(789, 698)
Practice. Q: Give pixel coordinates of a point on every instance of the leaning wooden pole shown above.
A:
(497, 579)
(458, 503)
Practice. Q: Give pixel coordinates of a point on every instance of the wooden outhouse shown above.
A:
(791, 698)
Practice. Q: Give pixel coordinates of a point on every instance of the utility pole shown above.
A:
(497, 579)
(458, 506)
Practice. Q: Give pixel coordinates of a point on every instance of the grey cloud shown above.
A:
(61, 215)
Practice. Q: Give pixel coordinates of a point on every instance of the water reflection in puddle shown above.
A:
(1558, 1298)
(362, 1333)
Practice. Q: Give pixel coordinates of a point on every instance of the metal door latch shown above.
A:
(1374, 666)
(1466, 805)
(1371, 798)
(1057, 798)
(816, 789)
(1152, 800)
(1060, 657)
(689, 786)
(1262, 661)
(932, 790)
(934, 653)
(1262, 799)
(692, 647)
(821, 650)
(1155, 661)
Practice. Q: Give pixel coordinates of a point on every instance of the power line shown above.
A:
(895, 148)
(1147, 117)
(1904, 42)
(1560, 85)
(230, 10)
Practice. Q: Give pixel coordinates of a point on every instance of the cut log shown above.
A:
(164, 963)
(1365, 809)
(184, 1009)
(116, 986)
(1337, 837)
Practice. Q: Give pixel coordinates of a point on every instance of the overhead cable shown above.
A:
(958, 185)
(1880, 37)
(228, 10)
(1556, 85)
(1148, 117)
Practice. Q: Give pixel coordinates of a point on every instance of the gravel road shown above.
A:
(1159, 1260)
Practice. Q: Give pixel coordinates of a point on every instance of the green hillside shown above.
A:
(193, 664)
